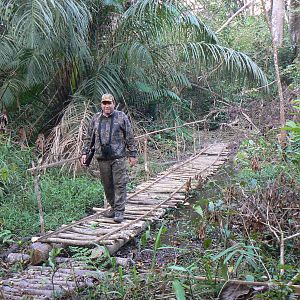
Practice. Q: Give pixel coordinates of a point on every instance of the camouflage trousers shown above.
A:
(114, 177)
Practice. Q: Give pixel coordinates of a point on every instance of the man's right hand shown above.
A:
(83, 159)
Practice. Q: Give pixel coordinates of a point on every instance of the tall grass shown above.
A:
(64, 198)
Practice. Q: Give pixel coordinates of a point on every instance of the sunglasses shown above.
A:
(106, 102)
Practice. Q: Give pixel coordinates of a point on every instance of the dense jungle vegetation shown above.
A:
(167, 63)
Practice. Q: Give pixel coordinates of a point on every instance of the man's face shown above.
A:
(107, 106)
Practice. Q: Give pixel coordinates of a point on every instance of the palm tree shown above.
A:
(59, 53)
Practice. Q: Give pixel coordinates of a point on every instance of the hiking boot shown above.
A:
(109, 214)
(119, 217)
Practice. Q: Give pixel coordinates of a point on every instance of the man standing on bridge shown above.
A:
(110, 133)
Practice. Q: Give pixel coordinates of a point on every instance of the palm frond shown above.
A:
(8, 53)
(34, 64)
(227, 61)
(153, 18)
(133, 54)
(106, 80)
(34, 18)
(66, 139)
(9, 92)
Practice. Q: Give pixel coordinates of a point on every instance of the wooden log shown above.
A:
(18, 257)
(90, 231)
(82, 272)
(123, 235)
(150, 204)
(78, 242)
(124, 262)
(182, 176)
(27, 291)
(142, 217)
(130, 210)
(114, 248)
(14, 297)
(75, 236)
(146, 207)
(39, 252)
(42, 285)
(166, 191)
(89, 227)
(159, 196)
(42, 281)
(174, 184)
(68, 242)
(143, 209)
(105, 221)
(142, 212)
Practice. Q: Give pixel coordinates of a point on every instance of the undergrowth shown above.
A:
(64, 198)
(227, 236)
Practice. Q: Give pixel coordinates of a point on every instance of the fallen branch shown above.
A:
(234, 15)
(55, 164)
(236, 281)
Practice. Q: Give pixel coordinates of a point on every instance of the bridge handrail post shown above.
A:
(37, 190)
(194, 139)
(177, 143)
(146, 166)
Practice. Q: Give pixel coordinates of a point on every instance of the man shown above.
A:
(112, 134)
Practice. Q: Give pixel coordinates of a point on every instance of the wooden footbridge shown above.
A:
(147, 204)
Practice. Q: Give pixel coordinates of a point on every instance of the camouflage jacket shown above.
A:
(122, 138)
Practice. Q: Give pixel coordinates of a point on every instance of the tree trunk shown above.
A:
(294, 22)
(278, 21)
(282, 137)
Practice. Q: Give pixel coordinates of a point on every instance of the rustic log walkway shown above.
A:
(147, 204)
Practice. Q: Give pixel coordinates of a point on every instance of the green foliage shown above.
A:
(281, 291)
(68, 199)
(145, 237)
(255, 39)
(293, 129)
(69, 50)
(12, 167)
(64, 198)
(158, 236)
(6, 236)
(261, 162)
(52, 256)
(179, 290)
(239, 254)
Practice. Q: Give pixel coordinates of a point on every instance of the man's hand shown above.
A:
(83, 159)
(132, 161)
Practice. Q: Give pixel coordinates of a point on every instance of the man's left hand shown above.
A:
(132, 161)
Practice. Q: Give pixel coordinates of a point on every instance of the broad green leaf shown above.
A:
(178, 268)
(224, 271)
(234, 247)
(238, 262)
(230, 255)
(198, 209)
(157, 244)
(179, 290)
